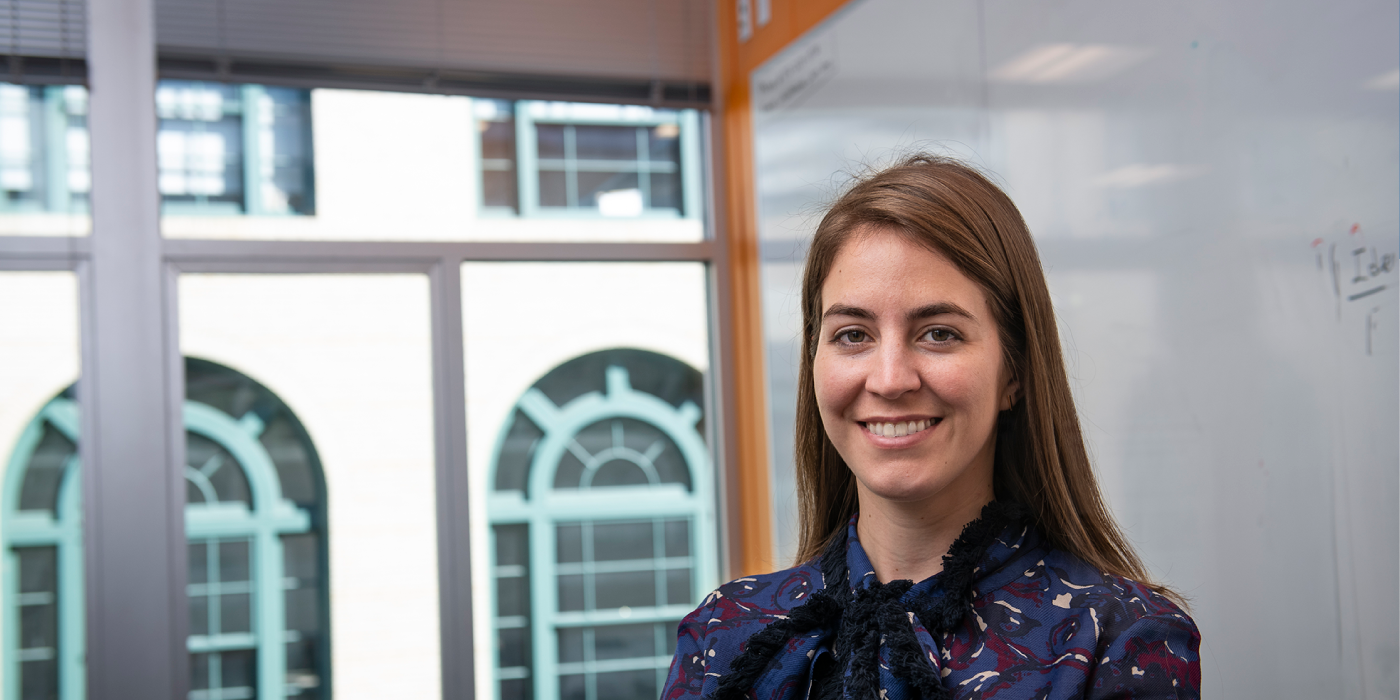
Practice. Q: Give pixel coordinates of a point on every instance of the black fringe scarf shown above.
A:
(863, 617)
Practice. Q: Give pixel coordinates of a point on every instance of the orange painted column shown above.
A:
(751, 522)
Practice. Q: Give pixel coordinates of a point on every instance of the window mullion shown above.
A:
(252, 99)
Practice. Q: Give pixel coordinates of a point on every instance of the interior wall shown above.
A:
(1212, 190)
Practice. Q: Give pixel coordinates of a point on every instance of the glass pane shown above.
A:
(666, 191)
(551, 140)
(554, 189)
(571, 687)
(237, 672)
(235, 613)
(605, 142)
(233, 561)
(595, 330)
(678, 587)
(247, 161)
(677, 538)
(515, 647)
(38, 436)
(611, 193)
(614, 541)
(571, 592)
(570, 543)
(213, 473)
(200, 146)
(199, 671)
(624, 642)
(571, 645)
(517, 689)
(47, 467)
(44, 165)
(627, 685)
(634, 589)
(197, 557)
(352, 355)
(199, 614)
(664, 144)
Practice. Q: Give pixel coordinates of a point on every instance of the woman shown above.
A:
(954, 541)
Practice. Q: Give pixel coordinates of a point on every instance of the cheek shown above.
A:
(834, 388)
(967, 384)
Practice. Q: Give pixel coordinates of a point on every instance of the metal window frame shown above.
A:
(527, 166)
(132, 390)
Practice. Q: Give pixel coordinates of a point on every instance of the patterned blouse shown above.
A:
(1043, 624)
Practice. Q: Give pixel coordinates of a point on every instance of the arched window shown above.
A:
(255, 527)
(602, 518)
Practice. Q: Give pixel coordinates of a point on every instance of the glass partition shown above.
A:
(41, 558)
(311, 507)
(45, 175)
(592, 476)
(254, 162)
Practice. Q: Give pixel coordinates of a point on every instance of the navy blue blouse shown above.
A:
(1043, 624)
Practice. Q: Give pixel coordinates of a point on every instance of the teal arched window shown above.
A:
(255, 527)
(602, 518)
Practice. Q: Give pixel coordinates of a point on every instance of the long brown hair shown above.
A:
(1040, 461)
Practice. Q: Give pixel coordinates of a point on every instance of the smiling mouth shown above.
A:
(899, 429)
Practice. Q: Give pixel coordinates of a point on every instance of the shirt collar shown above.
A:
(992, 572)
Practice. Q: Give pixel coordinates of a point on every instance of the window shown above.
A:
(600, 512)
(234, 148)
(254, 521)
(569, 159)
(222, 149)
(43, 148)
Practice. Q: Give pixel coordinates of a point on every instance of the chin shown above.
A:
(902, 486)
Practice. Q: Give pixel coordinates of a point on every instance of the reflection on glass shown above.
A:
(40, 513)
(44, 169)
(315, 528)
(600, 473)
(234, 149)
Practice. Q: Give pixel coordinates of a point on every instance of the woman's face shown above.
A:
(908, 371)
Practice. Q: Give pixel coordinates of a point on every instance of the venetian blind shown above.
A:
(42, 38)
(649, 49)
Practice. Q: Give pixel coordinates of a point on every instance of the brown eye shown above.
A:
(852, 336)
(941, 335)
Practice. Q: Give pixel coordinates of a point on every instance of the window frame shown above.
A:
(527, 163)
(134, 388)
(263, 525)
(543, 508)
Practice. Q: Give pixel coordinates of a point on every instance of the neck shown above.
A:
(907, 540)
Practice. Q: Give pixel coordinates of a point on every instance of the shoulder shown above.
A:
(710, 638)
(1121, 633)
(754, 599)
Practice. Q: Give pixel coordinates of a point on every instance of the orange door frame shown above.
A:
(749, 512)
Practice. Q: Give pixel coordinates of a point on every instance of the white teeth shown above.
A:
(899, 429)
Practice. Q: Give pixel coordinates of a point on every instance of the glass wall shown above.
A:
(591, 465)
(272, 163)
(44, 171)
(41, 558)
(313, 568)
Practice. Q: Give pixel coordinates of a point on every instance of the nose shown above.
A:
(893, 373)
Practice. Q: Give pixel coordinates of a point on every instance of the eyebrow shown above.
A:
(926, 311)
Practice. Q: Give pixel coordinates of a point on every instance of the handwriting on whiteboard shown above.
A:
(1357, 272)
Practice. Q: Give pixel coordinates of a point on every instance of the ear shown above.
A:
(1009, 395)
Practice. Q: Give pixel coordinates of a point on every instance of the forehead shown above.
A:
(881, 268)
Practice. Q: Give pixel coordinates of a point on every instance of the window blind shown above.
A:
(42, 40)
(655, 51)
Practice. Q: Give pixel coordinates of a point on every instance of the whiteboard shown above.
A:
(1213, 189)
